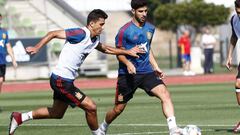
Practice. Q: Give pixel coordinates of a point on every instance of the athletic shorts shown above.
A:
(64, 90)
(238, 75)
(2, 70)
(127, 85)
(186, 57)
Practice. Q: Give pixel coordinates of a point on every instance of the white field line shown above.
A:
(116, 125)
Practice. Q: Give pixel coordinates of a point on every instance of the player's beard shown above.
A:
(141, 20)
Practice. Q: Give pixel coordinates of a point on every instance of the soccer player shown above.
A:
(5, 47)
(235, 23)
(142, 72)
(79, 43)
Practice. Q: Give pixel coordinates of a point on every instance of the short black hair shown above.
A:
(237, 3)
(135, 4)
(95, 15)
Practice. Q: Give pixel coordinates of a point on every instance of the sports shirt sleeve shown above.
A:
(233, 31)
(75, 35)
(120, 39)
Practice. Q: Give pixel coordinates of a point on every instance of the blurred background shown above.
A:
(27, 21)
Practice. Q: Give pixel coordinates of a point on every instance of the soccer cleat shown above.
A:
(102, 130)
(237, 128)
(15, 122)
(176, 131)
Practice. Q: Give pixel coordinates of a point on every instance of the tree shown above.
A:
(196, 13)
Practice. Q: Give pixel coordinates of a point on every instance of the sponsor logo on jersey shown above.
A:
(4, 36)
(143, 46)
(149, 35)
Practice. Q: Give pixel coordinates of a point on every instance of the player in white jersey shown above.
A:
(235, 23)
(79, 43)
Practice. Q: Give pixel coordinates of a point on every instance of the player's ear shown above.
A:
(91, 23)
(133, 11)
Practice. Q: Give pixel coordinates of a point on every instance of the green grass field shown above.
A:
(212, 107)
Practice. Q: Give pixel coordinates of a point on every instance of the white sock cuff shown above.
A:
(171, 121)
(171, 118)
(95, 132)
(237, 90)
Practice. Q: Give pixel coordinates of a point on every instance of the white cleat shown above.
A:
(15, 122)
(176, 131)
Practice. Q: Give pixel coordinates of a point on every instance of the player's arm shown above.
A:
(154, 64)
(60, 34)
(233, 42)
(116, 51)
(10, 52)
(130, 67)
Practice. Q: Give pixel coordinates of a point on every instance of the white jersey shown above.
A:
(77, 47)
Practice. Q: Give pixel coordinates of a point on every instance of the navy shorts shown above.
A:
(238, 75)
(127, 85)
(186, 57)
(65, 91)
(2, 70)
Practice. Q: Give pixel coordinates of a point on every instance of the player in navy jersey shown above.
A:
(79, 43)
(235, 23)
(142, 72)
(5, 47)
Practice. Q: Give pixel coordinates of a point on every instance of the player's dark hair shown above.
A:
(237, 3)
(135, 4)
(95, 15)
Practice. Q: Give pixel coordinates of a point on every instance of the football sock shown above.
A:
(237, 89)
(95, 132)
(104, 125)
(27, 116)
(171, 121)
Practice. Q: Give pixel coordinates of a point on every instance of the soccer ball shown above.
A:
(191, 130)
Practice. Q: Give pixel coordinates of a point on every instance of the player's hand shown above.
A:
(229, 63)
(160, 73)
(15, 64)
(134, 51)
(32, 50)
(131, 68)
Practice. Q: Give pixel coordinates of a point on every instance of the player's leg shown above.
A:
(2, 75)
(126, 87)
(237, 86)
(154, 86)
(1, 83)
(162, 93)
(111, 116)
(55, 112)
(90, 108)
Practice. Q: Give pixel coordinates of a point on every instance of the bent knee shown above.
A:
(237, 84)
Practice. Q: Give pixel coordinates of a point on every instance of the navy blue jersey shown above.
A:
(131, 35)
(3, 42)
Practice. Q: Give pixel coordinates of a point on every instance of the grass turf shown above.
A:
(212, 107)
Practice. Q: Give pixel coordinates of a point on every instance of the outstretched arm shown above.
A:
(116, 51)
(60, 34)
